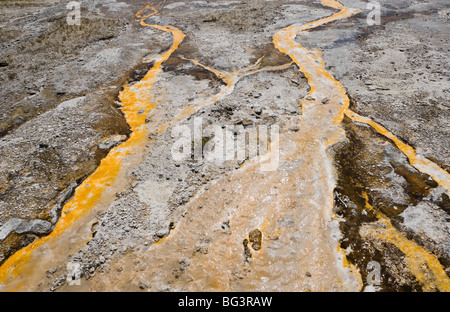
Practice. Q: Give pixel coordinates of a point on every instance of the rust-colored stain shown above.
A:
(323, 110)
(133, 99)
(422, 264)
(422, 164)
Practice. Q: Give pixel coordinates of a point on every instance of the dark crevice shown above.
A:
(363, 164)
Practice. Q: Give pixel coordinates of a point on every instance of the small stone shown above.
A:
(51, 272)
(247, 251)
(325, 101)
(161, 234)
(9, 227)
(308, 274)
(36, 226)
(144, 284)
(255, 237)
(247, 122)
(225, 226)
(111, 142)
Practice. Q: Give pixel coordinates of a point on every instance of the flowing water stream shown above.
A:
(256, 230)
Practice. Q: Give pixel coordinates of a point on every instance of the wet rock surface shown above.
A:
(61, 117)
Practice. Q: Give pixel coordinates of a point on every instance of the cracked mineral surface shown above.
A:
(284, 145)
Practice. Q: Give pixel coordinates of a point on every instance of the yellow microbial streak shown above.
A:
(422, 264)
(422, 164)
(133, 99)
(326, 93)
(326, 96)
(229, 79)
(323, 87)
